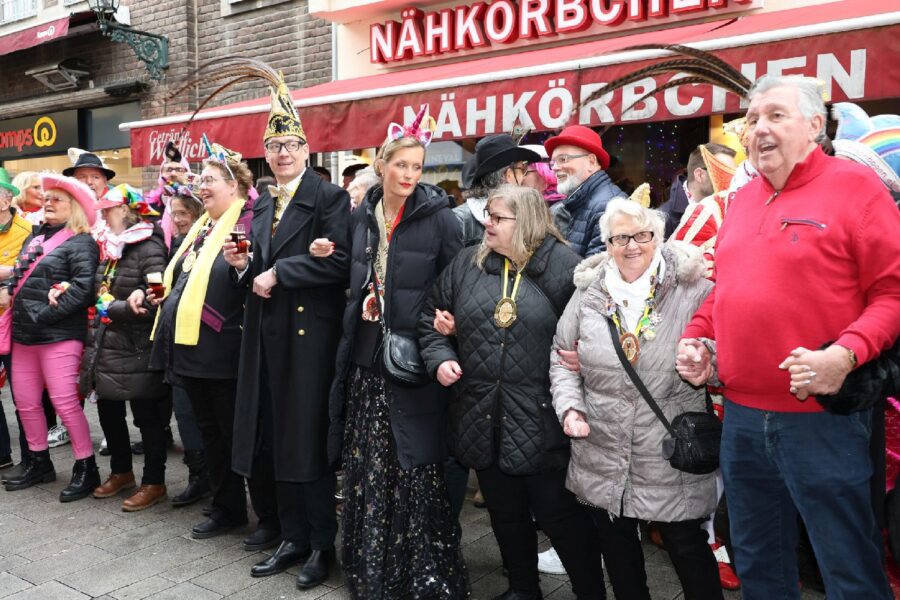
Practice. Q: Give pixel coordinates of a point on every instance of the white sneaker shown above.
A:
(57, 436)
(549, 563)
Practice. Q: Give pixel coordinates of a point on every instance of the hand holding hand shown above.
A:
(263, 284)
(236, 259)
(449, 373)
(817, 372)
(575, 425)
(693, 361)
(136, 302)
(321, 248)
(444, 322)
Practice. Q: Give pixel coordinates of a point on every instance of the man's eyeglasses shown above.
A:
(495, 219)
(564, 158)
(174, 170)
(275, 147)
(641, 237)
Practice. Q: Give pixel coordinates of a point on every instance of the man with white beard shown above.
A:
(579, 161)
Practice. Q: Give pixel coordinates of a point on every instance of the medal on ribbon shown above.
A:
(506, 312)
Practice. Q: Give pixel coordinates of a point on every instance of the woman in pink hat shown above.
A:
(50, 291)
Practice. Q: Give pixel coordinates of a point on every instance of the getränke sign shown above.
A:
(483, 26)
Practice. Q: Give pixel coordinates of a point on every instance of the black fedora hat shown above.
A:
(497, 151)
(89, 160)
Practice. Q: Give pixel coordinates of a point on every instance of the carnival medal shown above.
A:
(506, 312)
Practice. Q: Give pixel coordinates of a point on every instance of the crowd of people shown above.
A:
(543, 333)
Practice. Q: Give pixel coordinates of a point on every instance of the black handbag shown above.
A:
(400, 360)
(866, 385)
(694, 438)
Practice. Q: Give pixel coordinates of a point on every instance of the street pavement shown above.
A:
(91, 549)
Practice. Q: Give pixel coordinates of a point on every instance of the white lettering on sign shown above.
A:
(190, 149)
(549, 106)
(504, 22)
(46, 33)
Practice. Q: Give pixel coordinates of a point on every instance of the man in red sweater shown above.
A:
(808, 254)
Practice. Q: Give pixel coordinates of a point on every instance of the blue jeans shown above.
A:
(778, 464)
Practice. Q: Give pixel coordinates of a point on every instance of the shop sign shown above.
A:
(52, 133)
(483, 26)
(550, 102)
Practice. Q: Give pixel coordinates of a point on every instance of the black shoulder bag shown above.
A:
(400, 362)
(694, 437)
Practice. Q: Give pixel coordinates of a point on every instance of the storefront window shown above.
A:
(117, 160)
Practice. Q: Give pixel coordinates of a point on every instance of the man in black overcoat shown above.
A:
(292, 324)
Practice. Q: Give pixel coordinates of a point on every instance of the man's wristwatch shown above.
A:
(274, 272)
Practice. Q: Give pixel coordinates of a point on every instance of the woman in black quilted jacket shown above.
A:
(499, 303)
(116, 368)
(51, 289)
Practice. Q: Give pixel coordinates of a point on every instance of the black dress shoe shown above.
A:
(262, 539)
(315, 570)
(287, 555)
(516, 595)
(211, 528)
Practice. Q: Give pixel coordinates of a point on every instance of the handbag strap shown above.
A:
(636, 379)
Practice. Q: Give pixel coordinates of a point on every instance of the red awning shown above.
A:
(39, 34)
(850, 45)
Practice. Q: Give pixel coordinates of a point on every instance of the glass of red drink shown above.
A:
(239, 237)
(155, 284)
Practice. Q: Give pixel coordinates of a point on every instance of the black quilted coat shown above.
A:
(34, 320)
(118, 353)
(503, 412)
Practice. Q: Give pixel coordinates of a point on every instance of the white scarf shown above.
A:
(630, 298)
(114, 244)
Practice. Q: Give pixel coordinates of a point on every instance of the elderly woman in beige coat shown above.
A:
(650, 291)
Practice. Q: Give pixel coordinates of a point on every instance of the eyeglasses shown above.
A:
(55, 199)
(641, 237)
(208, 181)
(495, 218)
(564, 158)
(174, 170)
(291, 146)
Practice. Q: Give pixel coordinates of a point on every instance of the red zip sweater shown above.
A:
(819, 263)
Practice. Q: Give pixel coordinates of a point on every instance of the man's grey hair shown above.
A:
(646, 218)
(5, 194)
(487, 183)
(809, 95)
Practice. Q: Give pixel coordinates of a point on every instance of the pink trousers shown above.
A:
(54, 366)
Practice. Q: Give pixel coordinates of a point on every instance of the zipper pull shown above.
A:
(772, 197)
(784, 225)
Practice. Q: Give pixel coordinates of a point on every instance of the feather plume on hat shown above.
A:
(283, 117)
(695, 66)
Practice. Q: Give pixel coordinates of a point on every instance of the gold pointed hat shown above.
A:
(720, 174)
(283, 117)
(641, 195)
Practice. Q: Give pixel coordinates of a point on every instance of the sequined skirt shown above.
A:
(398, 537)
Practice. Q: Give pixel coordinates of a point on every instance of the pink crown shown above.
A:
(414, 129)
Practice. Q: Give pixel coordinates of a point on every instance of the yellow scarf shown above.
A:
(190, 306)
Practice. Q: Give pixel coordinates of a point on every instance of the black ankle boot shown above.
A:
(38, 469)
(198, 479)
(85, 479)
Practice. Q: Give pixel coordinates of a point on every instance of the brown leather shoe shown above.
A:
(145, 497)
(115, 483)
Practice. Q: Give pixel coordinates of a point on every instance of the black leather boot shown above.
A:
(198, 480)
(38, 469)
(85, 479)
(17, 470)
(316, 568)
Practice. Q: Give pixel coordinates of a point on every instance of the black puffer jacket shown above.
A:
(422, 245)
(503, 399)
(34, 320)
(118, 355)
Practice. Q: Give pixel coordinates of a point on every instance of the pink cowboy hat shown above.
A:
(79, 191)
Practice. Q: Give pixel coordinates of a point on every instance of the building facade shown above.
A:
(98, 84)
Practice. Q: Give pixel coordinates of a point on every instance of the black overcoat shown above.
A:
(297, 330)
(426, 239)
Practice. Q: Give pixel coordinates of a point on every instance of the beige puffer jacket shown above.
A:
(619, 467)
